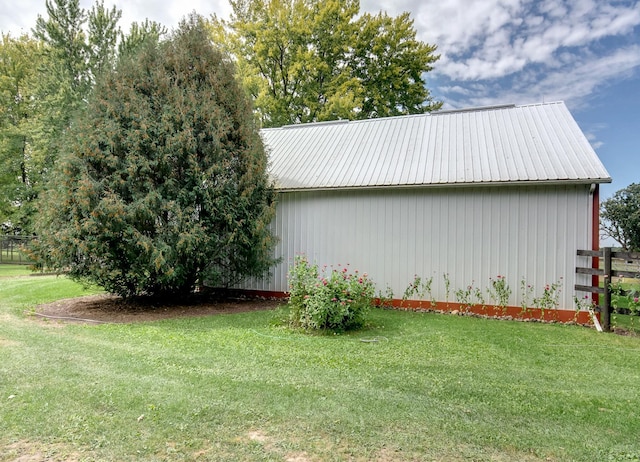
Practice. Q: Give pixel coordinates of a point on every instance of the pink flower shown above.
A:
(344, 270)
(635, 299)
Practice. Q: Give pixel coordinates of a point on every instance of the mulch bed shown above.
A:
(95, 309)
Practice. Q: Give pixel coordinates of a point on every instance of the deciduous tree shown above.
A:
(313, 60)
(44, 80)
(19, 164)
(621, 217)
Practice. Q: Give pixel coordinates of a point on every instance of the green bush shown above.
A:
(328, 299)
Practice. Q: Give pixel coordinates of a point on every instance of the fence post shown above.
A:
(606, 302)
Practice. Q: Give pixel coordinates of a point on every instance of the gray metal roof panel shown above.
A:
(532, 143)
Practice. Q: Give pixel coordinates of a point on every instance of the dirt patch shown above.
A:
(96, 309)
(25, 451)
(269, 445)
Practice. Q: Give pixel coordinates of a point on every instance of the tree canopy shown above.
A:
(162, 184)
(314, 60)
(621, 217)
(46, 78)
(19, 163)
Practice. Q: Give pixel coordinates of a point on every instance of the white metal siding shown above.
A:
(471, 233)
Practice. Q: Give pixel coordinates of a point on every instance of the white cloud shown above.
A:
(575, 86)
(20, 16)
(497, 39)
(525, 50)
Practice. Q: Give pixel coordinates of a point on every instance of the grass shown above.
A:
(14, 270)
(241, 387)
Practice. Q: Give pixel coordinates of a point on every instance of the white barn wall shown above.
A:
(471, 233)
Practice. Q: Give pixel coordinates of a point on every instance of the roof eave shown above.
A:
(585, 181)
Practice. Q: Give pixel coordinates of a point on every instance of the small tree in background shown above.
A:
(621, 217)
(163, 182)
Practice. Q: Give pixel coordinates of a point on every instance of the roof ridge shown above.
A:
(495, 107)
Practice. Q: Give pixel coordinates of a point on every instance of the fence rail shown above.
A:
(11, 249)
(605, 271)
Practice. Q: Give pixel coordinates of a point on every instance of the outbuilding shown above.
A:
(459, 199)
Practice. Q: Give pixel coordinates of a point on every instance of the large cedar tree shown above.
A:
(163, 185)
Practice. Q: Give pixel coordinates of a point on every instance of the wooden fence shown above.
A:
(602, 276)
(11, 249)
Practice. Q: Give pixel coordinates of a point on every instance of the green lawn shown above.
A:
(241, 387)
(14, 270)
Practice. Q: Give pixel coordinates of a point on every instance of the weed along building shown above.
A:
(487, 206)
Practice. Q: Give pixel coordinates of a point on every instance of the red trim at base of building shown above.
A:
(515, 312)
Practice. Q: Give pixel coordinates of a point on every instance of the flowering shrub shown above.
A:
(499, 292)
(585, 303)
(470, 297)
(550, 298)
(302, 277)
(328, 299)
(526, 292)
(420, 288)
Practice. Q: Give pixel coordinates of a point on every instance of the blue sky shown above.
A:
(583, 52)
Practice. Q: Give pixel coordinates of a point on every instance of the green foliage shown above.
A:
(306, 61)
(625, 297)
(550, 297)
(303, 277)
(336, 301)
(163, 185)
(20, 164)
(44, 80)
(470, 296)
(389, 62)
(499, 292)
(421, 289)
(526, 294)
(139, 33)
(621, 217)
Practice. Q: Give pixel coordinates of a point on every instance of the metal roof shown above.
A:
(490, 145)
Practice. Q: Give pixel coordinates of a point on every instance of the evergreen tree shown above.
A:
(163, 182)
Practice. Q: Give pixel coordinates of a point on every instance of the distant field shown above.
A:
(13, 255)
